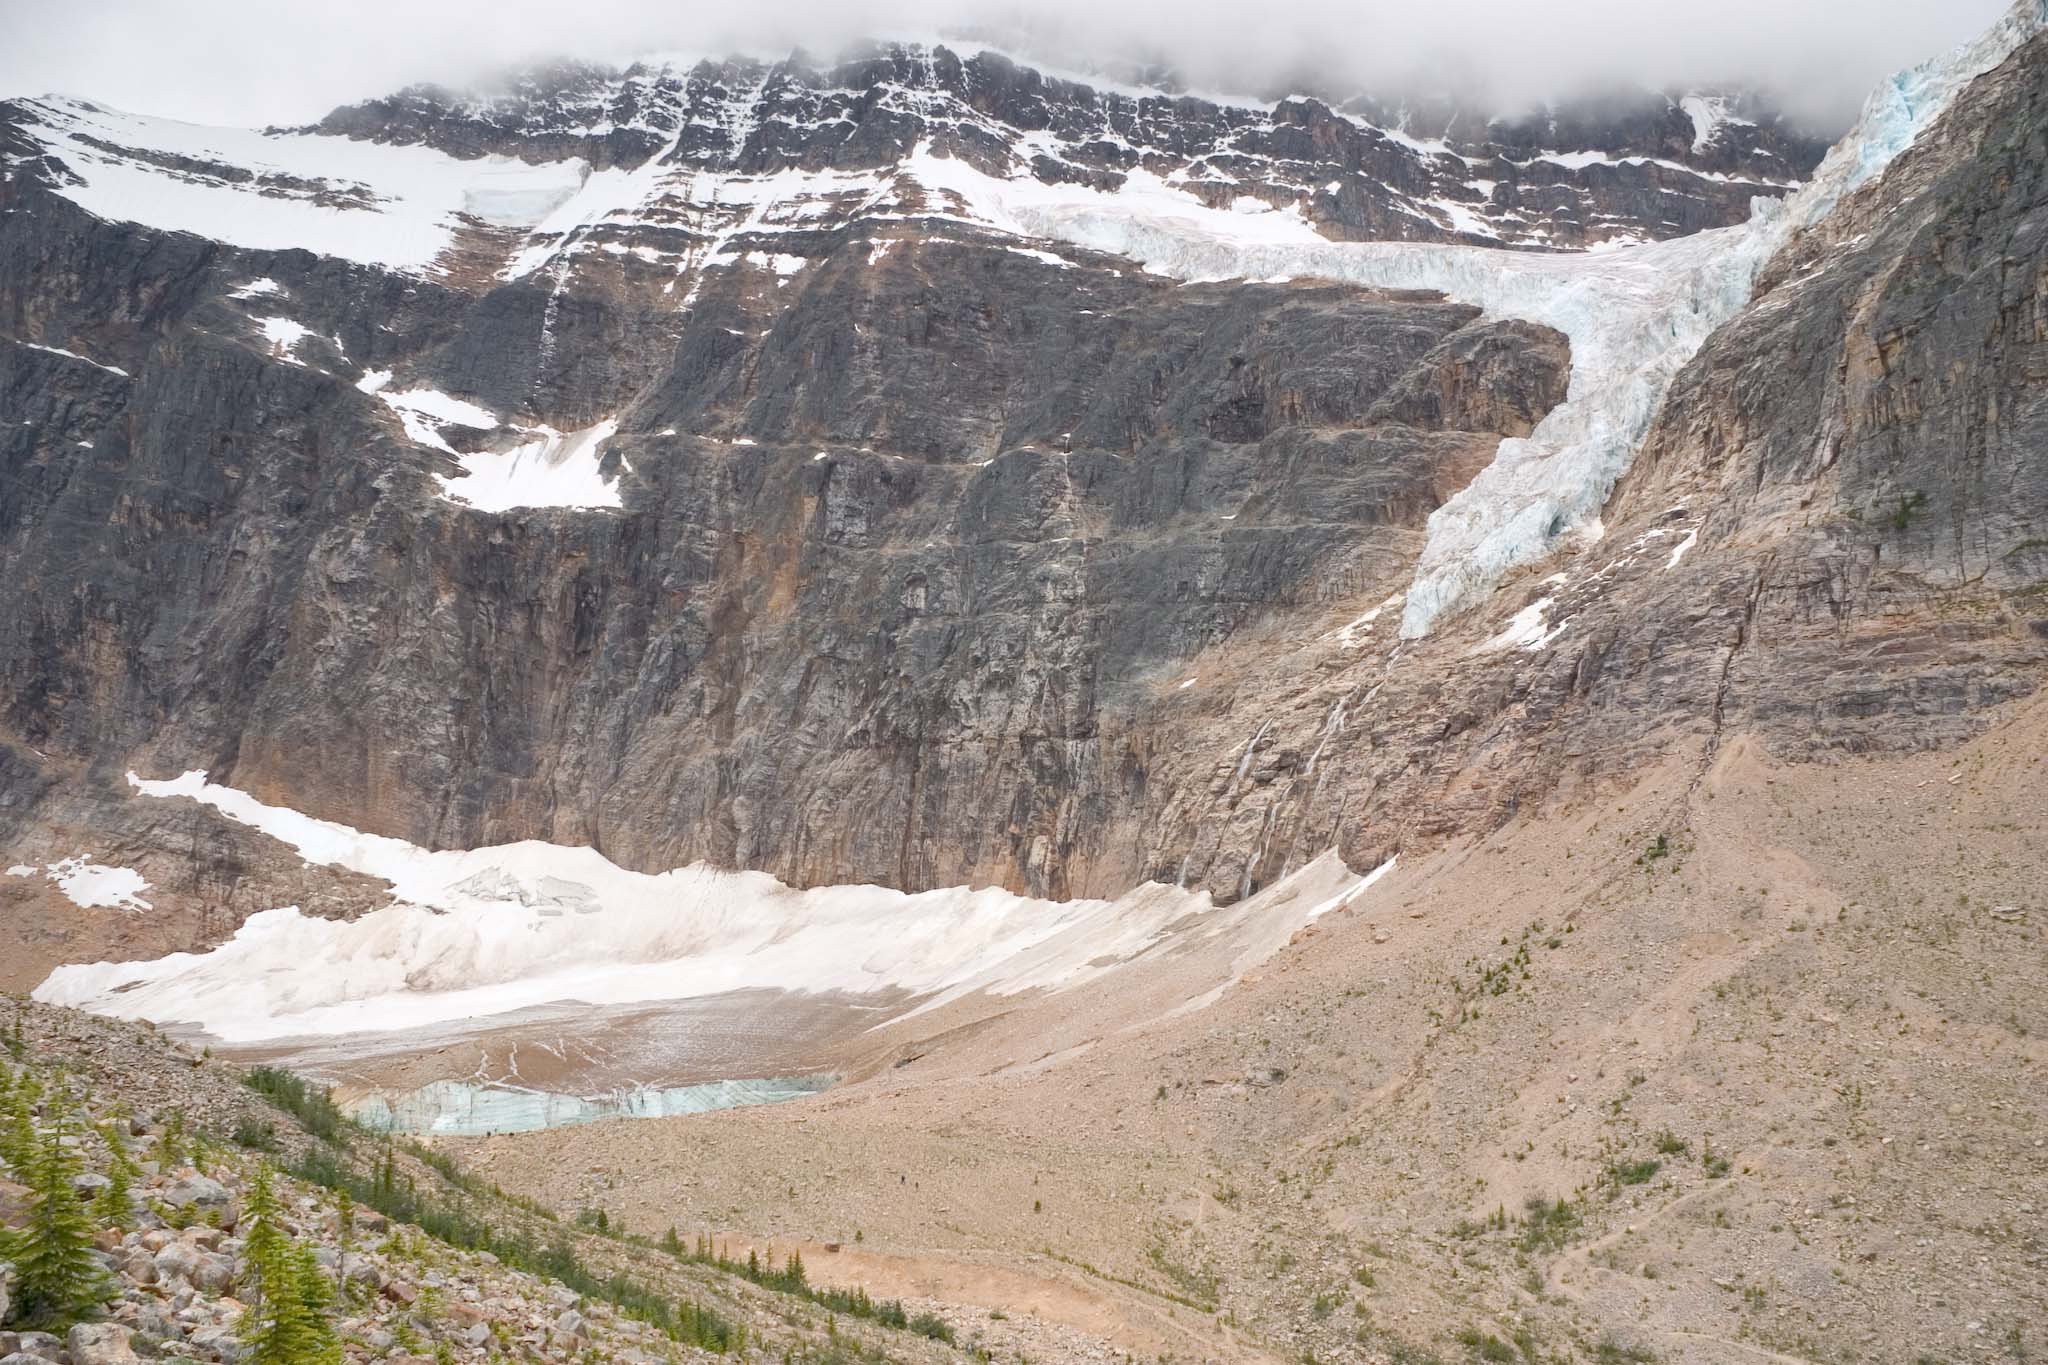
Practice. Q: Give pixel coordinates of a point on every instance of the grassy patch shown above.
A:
(1548, 1225)
(1622, 1173)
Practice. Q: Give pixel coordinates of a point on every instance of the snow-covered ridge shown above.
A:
(487, 931)
(367, 185)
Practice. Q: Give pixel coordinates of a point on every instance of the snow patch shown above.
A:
(1709, 115)
(423, 412)
(93, 885)
(1530, 630)
(781, 263)
(283, 334)
(1048, 257)
(73, 355)
(556, 469)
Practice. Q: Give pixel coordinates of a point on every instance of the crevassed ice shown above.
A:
(483, 932)
(463, 1108)
(1634, 315)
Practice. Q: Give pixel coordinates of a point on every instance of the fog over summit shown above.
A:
(240, 61)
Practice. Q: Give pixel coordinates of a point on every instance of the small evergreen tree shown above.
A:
(289, 1323)
(58, 1280)
(116, 1203)
(345, 1220)
(318, 1343)
(263, 1236)
(170, 1146)
(18, 1132)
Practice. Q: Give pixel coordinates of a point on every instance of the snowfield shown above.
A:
(376, 204)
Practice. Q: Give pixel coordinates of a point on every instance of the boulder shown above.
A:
(41, 1345)
(213, 1273)
(14, 1203)
(200, 1190)
(178, 1262)
(217, 1341)
(100, 1343)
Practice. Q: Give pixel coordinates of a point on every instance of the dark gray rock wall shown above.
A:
(907, 545)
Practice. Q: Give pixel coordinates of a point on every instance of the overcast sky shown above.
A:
(283, 61)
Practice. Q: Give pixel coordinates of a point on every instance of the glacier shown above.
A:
(485, 932)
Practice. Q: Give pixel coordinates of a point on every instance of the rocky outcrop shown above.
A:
(1620, 166)
(1868, 437)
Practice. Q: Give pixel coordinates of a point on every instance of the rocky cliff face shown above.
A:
(667, 461)
(1625, 166)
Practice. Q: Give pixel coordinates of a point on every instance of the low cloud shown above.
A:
(252, 61)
